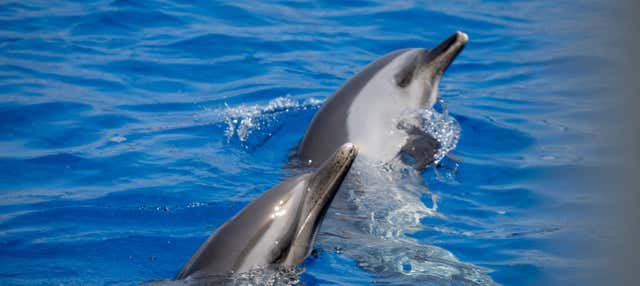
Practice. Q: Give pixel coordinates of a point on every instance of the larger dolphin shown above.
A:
(366, 108)
(277, 229)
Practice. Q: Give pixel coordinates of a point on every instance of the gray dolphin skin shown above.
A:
(366, 108)
(278, 228)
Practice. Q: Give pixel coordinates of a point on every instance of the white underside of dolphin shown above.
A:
(371, 107)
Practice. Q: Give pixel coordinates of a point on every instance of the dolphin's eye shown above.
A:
(402, 79)
(405, 75)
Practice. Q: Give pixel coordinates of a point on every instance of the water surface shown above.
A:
(129, 130)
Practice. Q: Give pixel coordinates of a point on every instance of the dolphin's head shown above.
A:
(321, 188)
(278, 228)
(416, 73)
(386, 90)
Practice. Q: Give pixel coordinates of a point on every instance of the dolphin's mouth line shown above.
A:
(443, 54)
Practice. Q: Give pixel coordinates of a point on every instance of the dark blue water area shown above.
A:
(119, 153)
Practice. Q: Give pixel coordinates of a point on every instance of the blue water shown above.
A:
(129, 130)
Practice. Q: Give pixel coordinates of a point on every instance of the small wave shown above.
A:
(243, 120)
(252, 125)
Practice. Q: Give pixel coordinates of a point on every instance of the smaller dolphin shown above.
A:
(278, 228)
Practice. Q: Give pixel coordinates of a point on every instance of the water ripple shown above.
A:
(129, 130)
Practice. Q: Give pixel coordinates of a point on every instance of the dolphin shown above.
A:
(366, 108)
(277, 229)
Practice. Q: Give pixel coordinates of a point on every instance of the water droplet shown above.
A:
(118, 139)
(406, 267)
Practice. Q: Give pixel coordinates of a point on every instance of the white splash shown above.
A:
(118, 139)
(244, 120)
(444, 128)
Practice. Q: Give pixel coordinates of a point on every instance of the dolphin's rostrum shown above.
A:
(278, 228)
(366, 108)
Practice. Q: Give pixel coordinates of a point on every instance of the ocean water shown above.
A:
(130, 130)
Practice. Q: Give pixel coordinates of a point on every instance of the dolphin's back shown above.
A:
(328, 129)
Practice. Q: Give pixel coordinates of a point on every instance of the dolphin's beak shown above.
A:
(433, 64)
(322, 188)
(328, 178)
(440, 57)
